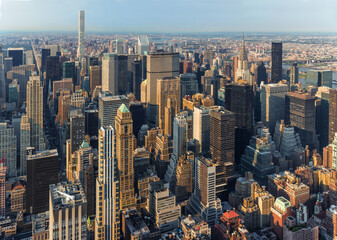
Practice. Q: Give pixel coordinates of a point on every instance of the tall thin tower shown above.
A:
(124, 154)
(107, 187)
(35, 112)
(81, 21)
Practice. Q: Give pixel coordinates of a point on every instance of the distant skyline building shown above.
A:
(143, 45)
(81, 32)
(276, 59)
(2, 191)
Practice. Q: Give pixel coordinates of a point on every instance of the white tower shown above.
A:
(81, 21)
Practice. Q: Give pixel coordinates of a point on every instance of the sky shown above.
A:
(170, 15)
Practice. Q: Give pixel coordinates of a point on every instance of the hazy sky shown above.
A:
(171, 15)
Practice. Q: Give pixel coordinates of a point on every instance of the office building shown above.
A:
(24, 143)
(163, 208)
(35, 112)
(124, 155)
(159, 66)
(133, 226)
(201, 127)
(203, 200)
(242, 72)
(331, 222)
(107, 222)
(22, 74)
(110, 73)
(293, 75)
(189, 84)
(2, 191)
(8, 145)
(168, 100)
(143, 45)
(222, 143)
(18, 197)
(53, 70)
(276, 58)
(332, 114)
(42, 170)
(318, 78)
(44, 54)
(91, 122)
(179, 134)
(249, 213)
(69, 71)
(40, 226)
(119, 46)
(137, 110)
(64, 101)
(261, 74)
(273, 104)
(17, 55)
(258, 157)
(301, 113)
(136, 70)
(77, 129)
(77, 100)
(107, 108)
(81, 32)
(95, 77)
(67, 211)
(54, 50)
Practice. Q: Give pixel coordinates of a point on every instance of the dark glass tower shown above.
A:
(276, 58)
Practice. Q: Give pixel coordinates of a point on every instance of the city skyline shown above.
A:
(216, 16)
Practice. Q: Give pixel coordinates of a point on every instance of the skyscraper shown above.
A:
(124, 155)
(77, 129)
(143, 45)
(168, 100)
(2, 191)
(203, 200)
(107, 187)
(242, 70)
(276, 58)
(293, 74)
(67, 211)
(95, 77)
(8, 146)
(81, 29)
(24, 143)
(272, 104)
(107, 108)
(119, 46)
(261, 74)
(159, 66)
(301, 113)
(42, 170)
(332, 114)
(222, 135)
(35, 112)
(179, 134)
(317, 78)
(201, 127)
(53, 70)
(17, 55)
(110, 73)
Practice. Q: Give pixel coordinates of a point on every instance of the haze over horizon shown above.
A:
(170, 16)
